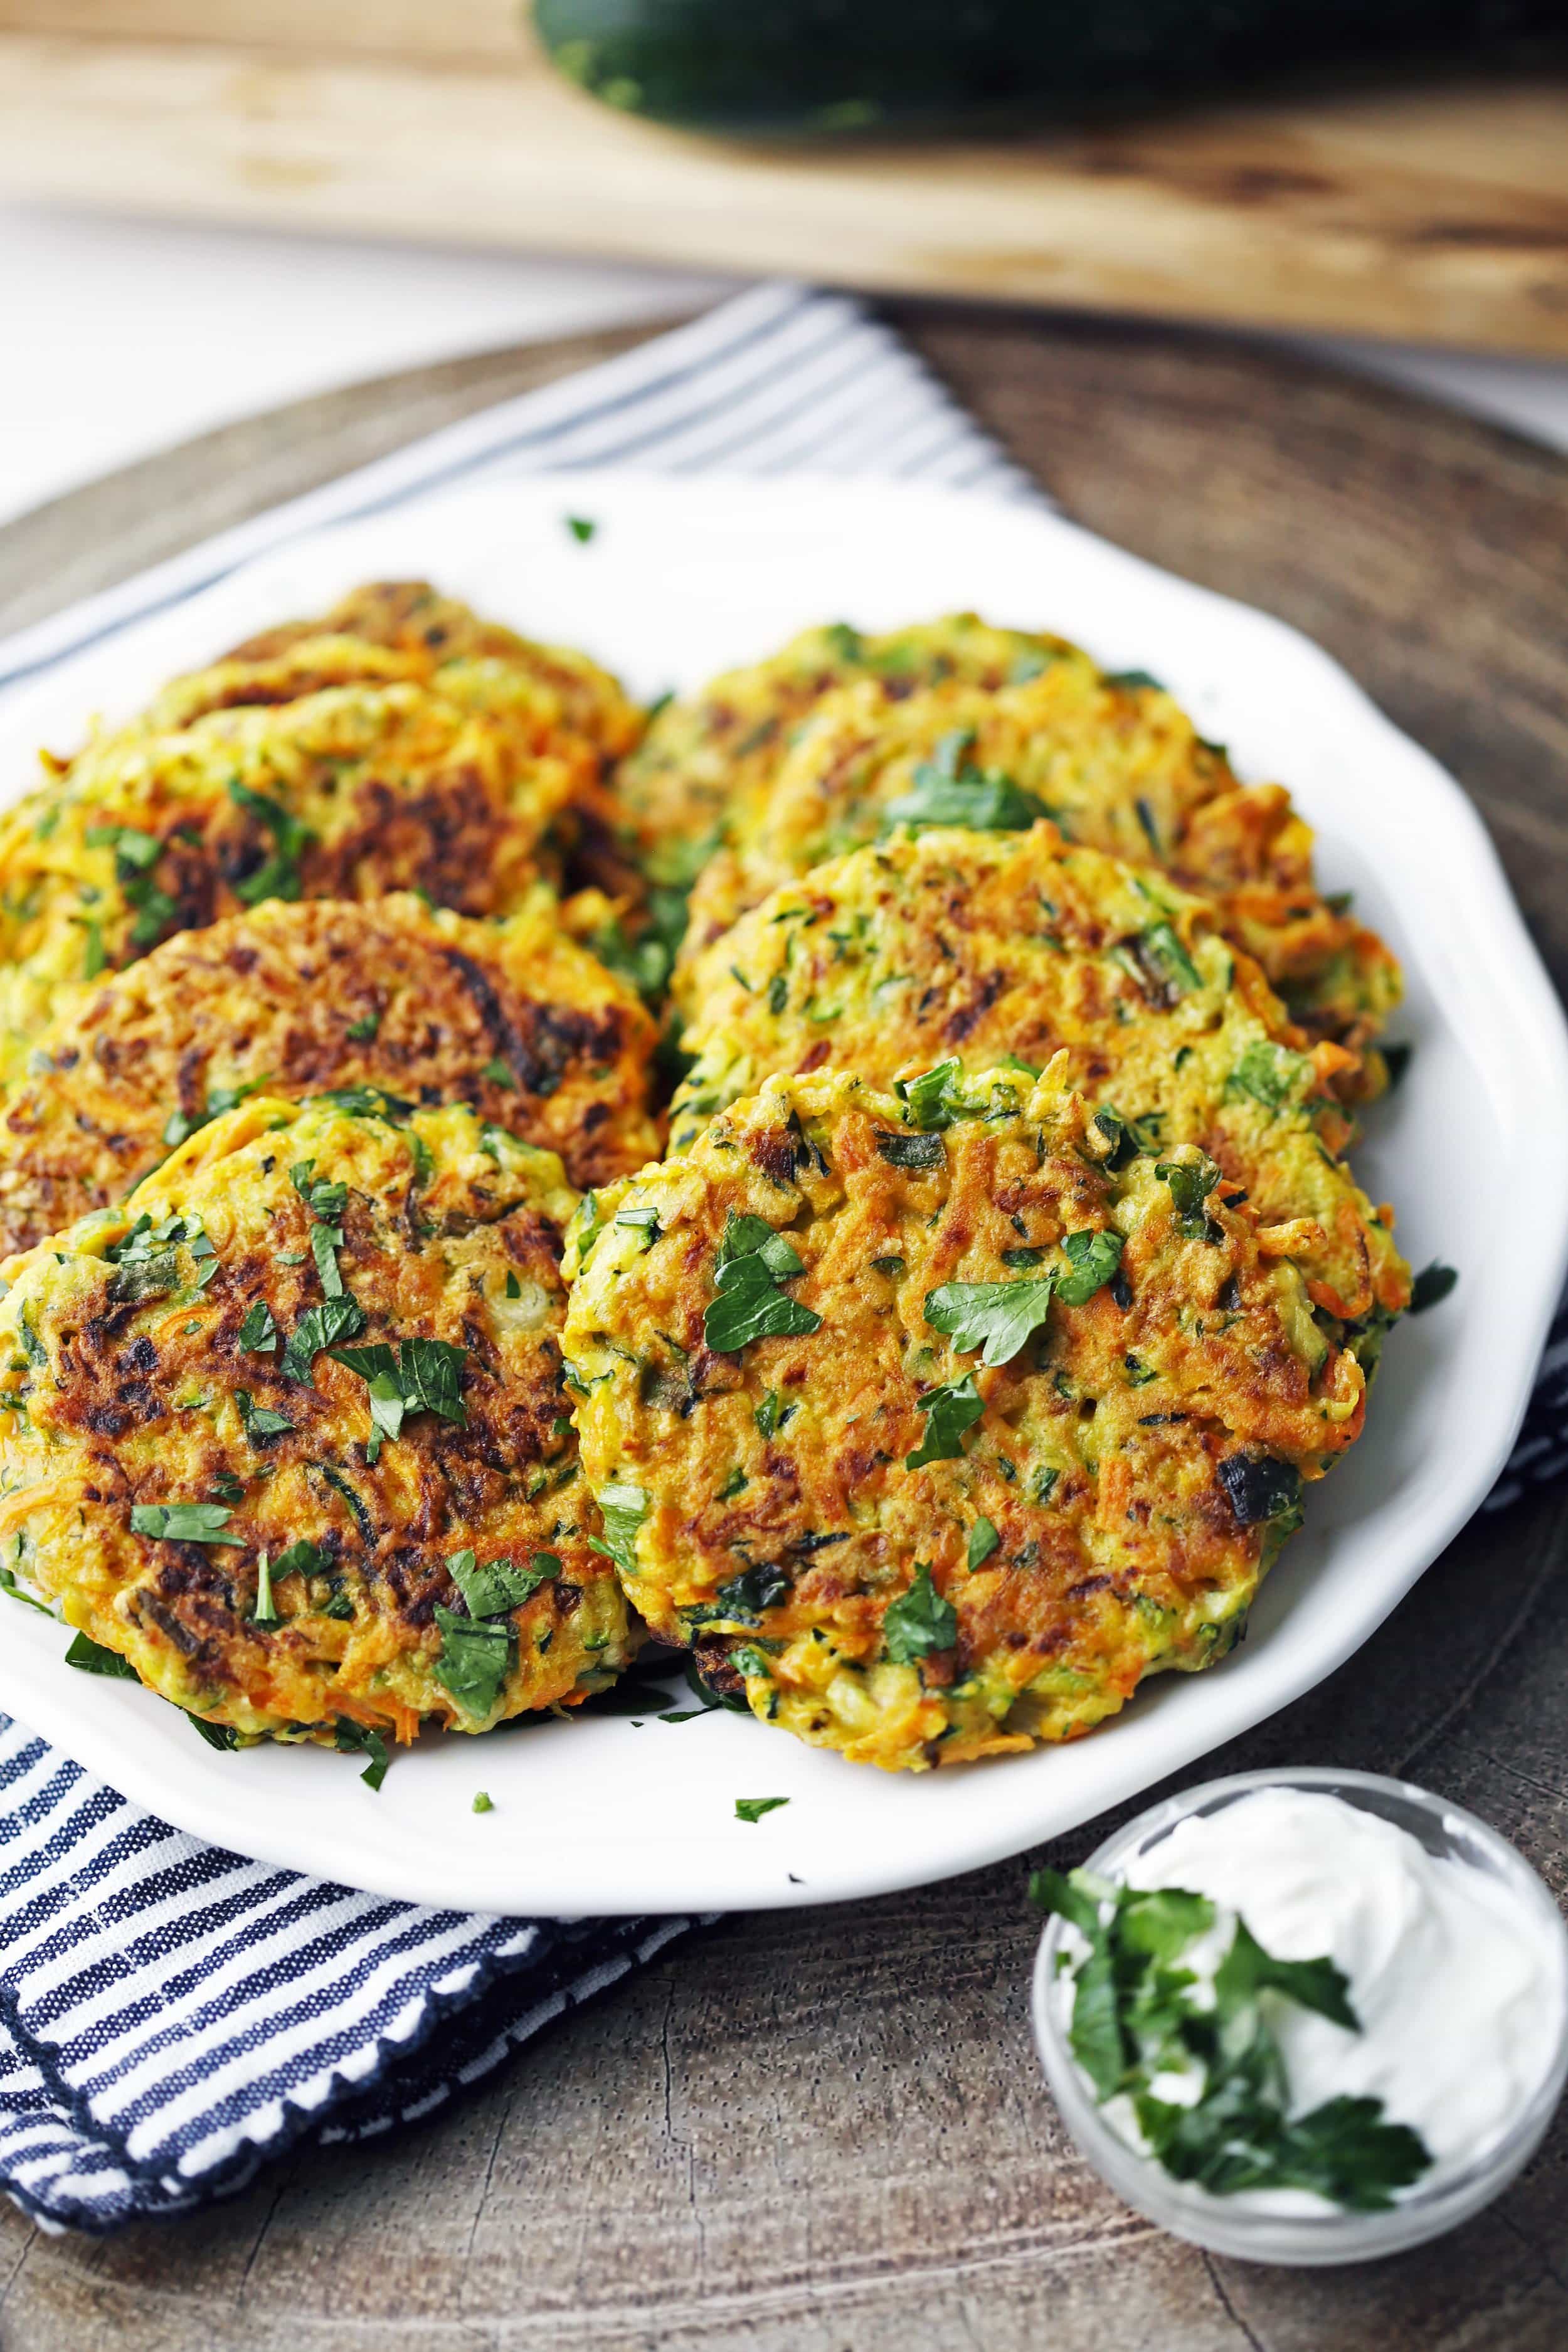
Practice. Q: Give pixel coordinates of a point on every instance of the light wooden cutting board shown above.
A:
(1438, 213)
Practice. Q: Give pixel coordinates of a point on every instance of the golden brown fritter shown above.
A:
(1118, 765)
(935, 1444)
(436, 637)
(961, 949)
(343, 795)
(287, 1430)
(708, 760)
(513, 1017)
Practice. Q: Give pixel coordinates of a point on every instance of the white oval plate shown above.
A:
(680, 579)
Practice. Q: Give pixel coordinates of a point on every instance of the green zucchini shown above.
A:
(801, 68)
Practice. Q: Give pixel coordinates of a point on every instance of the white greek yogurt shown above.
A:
(1451, 1976)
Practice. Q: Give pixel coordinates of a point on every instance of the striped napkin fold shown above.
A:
(171, 2015)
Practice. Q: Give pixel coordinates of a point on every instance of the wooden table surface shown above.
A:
(1430, 207)
(826, 2131)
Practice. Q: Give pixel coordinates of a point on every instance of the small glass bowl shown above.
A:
(1229, 2225)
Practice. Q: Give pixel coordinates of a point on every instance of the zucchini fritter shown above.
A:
(513, 1017)
(440, 642)
(935, 1444)
(975, 947)
(347, 793)
(1119, 766)
(288, 1431)
(708, 760)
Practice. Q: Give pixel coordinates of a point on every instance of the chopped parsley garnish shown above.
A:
(135, 855)
(200, 1523)
(623, 1510)
(1120, 1139)
(756, 1589)
(995, 1316)
(768, 1414)
(498, 1587)
(363, 1030)
(145, 1278)
(483, 1802)
(266, 1610)
(214, 1735)
(259, 1420)
(946, 790)
(91, 1657)
(1270, 1073)
(278, 876)
(1140, 2018)
(1260, 1486)
(500, 1073)
(325, 1243)
(983, 1541)
(475, 1658)
(357, 1739)
(1130, 679)
(301, 1559)
(932, 1096)
(919, 1622)
(580, 528)
(949, 1412)
(1159, 952)
(1092, 1259)
(911, 1151)
(425, 1376)
(752, 1262)
(1191, 1182)
(751, 1808)
(181, 1124)
(259, 1332)
(1433, 1283)
(326, 1326)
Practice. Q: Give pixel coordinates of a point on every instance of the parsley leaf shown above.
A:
(301, 1559)
(1260, 1486)
(995, 1316)
(265, 1612)
(1433, 1283)
(751, 1808)
(753, 1260)
(947, 790)
(201, 1523)
(1191, 1182)
(278, 876)
(1092, 1259)
(320, 1326)
(259, 1420)
(473, 1660)
(919, 1622)
(580, 528)
(259, 1332)
(498, 1587)
(91, 1657)
(949, 1412)
(1270, 1073)
(357, 1739)
(1134, 2017)
(623, 1510)
(425, 1376)
(901, 1150)
(983, 1541)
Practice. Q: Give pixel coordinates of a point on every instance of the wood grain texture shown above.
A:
(826, 2132)
(1438, 213)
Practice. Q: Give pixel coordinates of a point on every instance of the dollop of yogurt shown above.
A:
(1458, 1984)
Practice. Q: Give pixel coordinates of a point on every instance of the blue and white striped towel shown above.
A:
(171, 2015)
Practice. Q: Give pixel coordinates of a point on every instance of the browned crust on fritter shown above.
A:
(514, 1019)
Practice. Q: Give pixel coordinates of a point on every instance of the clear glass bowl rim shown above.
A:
(1308, 2239)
